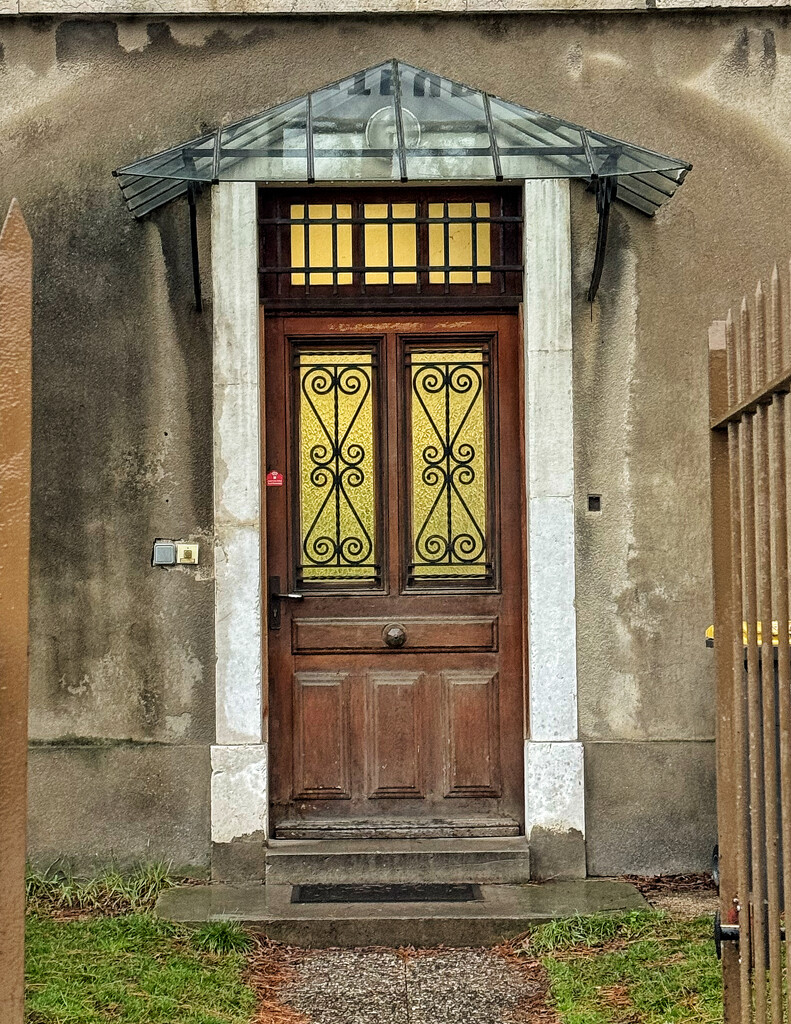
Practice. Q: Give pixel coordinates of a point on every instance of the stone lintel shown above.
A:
(171, 8)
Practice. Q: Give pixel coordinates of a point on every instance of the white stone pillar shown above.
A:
(239, 758)
(554, 781)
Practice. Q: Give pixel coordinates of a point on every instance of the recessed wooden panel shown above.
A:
(321, 736)
(470, 713)
(393, 735)
(440, 633)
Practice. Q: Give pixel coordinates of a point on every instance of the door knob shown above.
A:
(394, 635)
(275, 597)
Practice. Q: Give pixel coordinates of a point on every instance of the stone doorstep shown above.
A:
(484, 860)
(504, 912)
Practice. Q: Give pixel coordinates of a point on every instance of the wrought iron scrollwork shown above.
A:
(337, 470)
(451, 539)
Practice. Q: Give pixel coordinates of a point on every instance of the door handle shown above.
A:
(275, 597)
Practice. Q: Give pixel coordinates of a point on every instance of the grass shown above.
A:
(110, 893)
(641, 966)
(96, 954)
(134, 969)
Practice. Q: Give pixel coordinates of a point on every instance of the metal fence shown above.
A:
(15, 418)
(749, 380)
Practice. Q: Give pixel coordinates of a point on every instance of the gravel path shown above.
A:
(450, 986)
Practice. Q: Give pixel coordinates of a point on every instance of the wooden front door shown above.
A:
(394, 511)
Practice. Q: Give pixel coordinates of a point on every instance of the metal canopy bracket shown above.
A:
(606, 191)
(192, 192)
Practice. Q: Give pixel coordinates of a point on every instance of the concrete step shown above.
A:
(487, 861)
(504, 912)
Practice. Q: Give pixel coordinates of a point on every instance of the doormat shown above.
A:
(419, 892)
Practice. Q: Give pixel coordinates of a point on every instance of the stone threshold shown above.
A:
(505, 912)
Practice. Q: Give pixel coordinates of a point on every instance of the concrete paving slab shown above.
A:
(504, 911)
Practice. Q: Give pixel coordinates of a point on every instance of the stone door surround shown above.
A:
(554, 789)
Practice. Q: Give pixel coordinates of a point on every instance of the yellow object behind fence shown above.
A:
(746, 634)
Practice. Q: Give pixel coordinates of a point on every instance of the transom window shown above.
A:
(436, 246)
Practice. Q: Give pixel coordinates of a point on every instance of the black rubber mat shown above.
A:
(419, 892)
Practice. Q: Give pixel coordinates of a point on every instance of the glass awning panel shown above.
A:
(396, 122)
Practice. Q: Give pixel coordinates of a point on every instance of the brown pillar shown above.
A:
(15, 406)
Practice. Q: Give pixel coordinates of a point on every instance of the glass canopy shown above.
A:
(396, 122)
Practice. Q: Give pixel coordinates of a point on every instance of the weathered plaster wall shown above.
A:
(122, 664)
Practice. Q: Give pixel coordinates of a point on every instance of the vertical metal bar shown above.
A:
(306, 245)
(311, 168)
(495, 149)
(390, 250)
(196, 285)
(399, 119)
(334, 229)
(474, 244)
(446, 243)
(727, 622)
(501, 233)
(780, 581)
(358, 211)
(738, 681)
(750, 605)
(768, 703)
(279, 229)
(16, 321)
(215, 167)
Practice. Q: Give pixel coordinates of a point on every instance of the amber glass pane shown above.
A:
(449, 464)
(320, 243)
(377, 243)
(337, 498)
(468, 244)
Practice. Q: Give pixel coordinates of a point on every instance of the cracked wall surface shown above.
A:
(123, 654)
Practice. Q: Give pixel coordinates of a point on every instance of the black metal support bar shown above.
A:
(309, 140)
(191, 194)
(606, 192)
(586, 144)
(487, 106)
(215, 163)
(399, 122)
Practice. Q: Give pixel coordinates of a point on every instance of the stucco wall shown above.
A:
(122, 655)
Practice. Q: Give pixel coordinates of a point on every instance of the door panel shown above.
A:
(396, 686)
(321, 734)
(470, 705)
(393, 721)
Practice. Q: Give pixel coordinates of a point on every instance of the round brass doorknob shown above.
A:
(394, 635)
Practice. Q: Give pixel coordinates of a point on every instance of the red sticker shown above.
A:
(274, 479)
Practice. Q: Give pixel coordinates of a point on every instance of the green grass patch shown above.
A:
(642, 966)
(110, 892)
(135, 969)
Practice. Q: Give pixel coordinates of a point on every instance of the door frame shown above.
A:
(554, 761)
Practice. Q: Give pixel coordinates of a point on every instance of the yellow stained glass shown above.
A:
(320, 243)
(449, 464)
(337, 500)
(460, 244)
(377, 243)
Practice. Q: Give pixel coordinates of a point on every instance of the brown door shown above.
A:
(394, 509)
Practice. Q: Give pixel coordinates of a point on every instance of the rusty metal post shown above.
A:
(15, 433)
